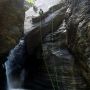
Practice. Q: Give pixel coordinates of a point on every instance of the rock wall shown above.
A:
(78, 34)
(11, 30)
(11, 24)
(33, 38)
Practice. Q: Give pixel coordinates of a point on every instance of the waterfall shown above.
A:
(14, 66)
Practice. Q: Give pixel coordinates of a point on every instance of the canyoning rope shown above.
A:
(44, 56)
(55, 69)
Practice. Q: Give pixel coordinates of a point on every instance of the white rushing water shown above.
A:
(14, 71)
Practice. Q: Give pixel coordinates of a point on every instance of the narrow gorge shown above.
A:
(45, 45)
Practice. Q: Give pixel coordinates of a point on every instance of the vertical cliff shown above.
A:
(78, 34)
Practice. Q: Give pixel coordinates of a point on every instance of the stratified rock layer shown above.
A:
(78, 34)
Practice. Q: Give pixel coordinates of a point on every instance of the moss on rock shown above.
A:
(11, 24)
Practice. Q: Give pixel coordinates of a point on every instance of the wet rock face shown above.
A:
(33, 38)
(11, 24)
(79, 19)
(78, 31)
(37, 31)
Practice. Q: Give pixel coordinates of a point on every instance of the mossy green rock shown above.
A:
(11, 24)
